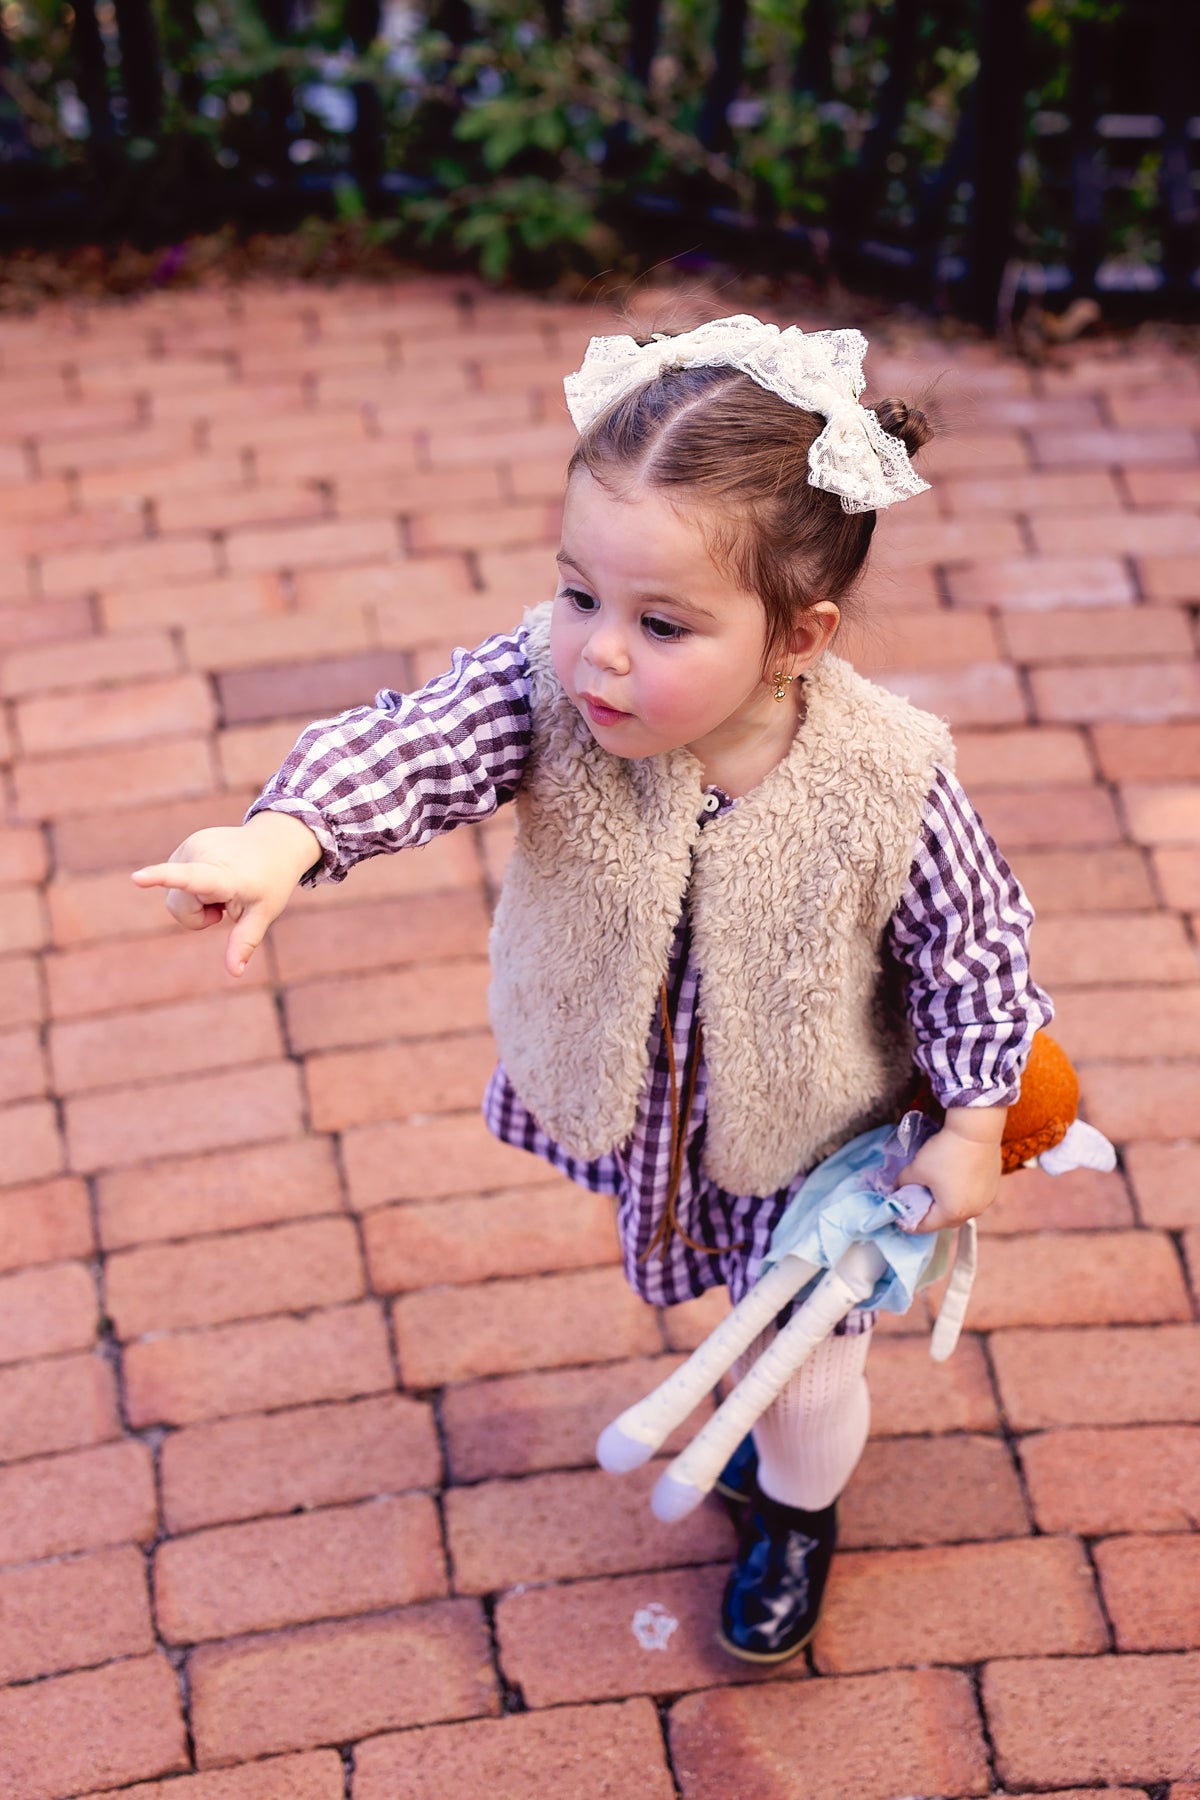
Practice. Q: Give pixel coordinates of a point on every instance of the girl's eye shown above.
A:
(662, 629)
(582, 602)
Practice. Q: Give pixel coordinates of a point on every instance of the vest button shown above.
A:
(711, 803)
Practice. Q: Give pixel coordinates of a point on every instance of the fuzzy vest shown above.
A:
(789, 896)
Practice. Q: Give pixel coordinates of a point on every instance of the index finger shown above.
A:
(207, 882)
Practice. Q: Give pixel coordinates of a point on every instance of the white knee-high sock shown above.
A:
(811, 1437)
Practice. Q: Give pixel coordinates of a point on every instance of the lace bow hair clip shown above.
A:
(818, 371)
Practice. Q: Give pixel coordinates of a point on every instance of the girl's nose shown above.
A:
(605, 649)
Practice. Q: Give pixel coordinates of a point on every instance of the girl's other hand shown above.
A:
(243, 873)
(960, 1166)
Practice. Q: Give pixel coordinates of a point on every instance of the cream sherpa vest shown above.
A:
(789, 895)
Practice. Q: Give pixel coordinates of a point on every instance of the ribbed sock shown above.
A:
(811, 1437)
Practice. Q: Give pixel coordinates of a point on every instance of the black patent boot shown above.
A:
(736, 1484)
(773, 1596)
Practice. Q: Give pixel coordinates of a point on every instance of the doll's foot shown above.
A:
(735, 1483)
(773, 1596)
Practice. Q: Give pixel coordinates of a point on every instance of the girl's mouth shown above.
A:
(599, 714)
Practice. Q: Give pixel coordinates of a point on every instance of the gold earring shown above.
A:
(782, 682)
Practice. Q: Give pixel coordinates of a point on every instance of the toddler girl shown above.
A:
(747, 895)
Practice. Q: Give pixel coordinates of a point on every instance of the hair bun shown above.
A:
(905, 422)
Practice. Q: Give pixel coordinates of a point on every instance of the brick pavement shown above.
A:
(299, 1372)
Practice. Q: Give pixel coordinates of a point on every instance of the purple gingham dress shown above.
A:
(395, 775)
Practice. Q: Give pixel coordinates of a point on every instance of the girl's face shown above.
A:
(653, 640)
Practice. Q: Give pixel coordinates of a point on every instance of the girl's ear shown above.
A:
(812, 635)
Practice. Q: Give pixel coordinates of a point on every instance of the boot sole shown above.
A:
(767, 1656)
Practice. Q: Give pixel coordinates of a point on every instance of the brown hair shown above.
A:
(715, 439)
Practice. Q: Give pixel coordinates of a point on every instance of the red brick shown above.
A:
(931, 1491)
(585, 1753)
(202, 1112)
(1042, 583)
(1135, 690)
(1096, 948)
(21, 626)
(319, 1776)
(520, 1424)
(89, 1730)
(248, 754)
(95, 527)
(958, 1603)
(123, 840)
(1151, 1588)
(517, 578)
(440, 927)
(302, 689)
(1149, 752)
(51, 1506)
(1050, 817)
(44, 1312)
(1080, 1200)
(423, 586)
(1029, 491)
(807, 1742)
(1170, 577)
(74, 1614)
(73, 418)
(290, 1461)
(32, 1145)
(22, 854)
(304, 544)
(361, 1087)
(108, 659)
(449, 449)
(62, 1404)
(578, 1642)
(531, 1232)
(1126, 1718)
(976, 694)
(1077, 881)
(22, 921)
(140, 481)
(1160, 449)
(911, 1393)
(1127, 1277)
(1025, 755)
(267, 1363)
(47, 1222)
(190, 1196)
(320, 1565)
(485, 527)
(1122, 533)
(156, 1041)
(264, 643)
(20, 992)
(1091, 1481)
(431, 1158)
(331, 1683)
(147, 564)
(289, 1268)
(22, 1066)
(421, 490)
(228, 509)
(686, 1325)
(234, 600)
(109, 977)
(1126, 1375)
(1165, 813)
(1178, 873)
(49, 787)
(452, 1334)
(1166, 1181)
(1129, 1101)
(926, 538)
(116, 715)
(1129, 1023)
(559, 1527)
(408, 1003)
(1101, 634)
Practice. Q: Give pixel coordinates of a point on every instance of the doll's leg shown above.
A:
(810, 1438)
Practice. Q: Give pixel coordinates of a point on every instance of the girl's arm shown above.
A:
(378, 778)
(961, 935)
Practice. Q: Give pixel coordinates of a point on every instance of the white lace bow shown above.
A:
(819, 371)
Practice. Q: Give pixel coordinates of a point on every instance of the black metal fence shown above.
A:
(946, 151)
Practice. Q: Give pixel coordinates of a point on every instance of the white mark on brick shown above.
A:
(653, 1625)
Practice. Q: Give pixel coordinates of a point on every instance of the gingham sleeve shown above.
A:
(393, 775)
(961, 936)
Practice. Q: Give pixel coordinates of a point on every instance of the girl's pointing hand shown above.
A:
(243, 873)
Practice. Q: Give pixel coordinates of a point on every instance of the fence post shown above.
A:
(141, 67)
(997, 101)
(729, 47)
(1177, 50)
(368, 143)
